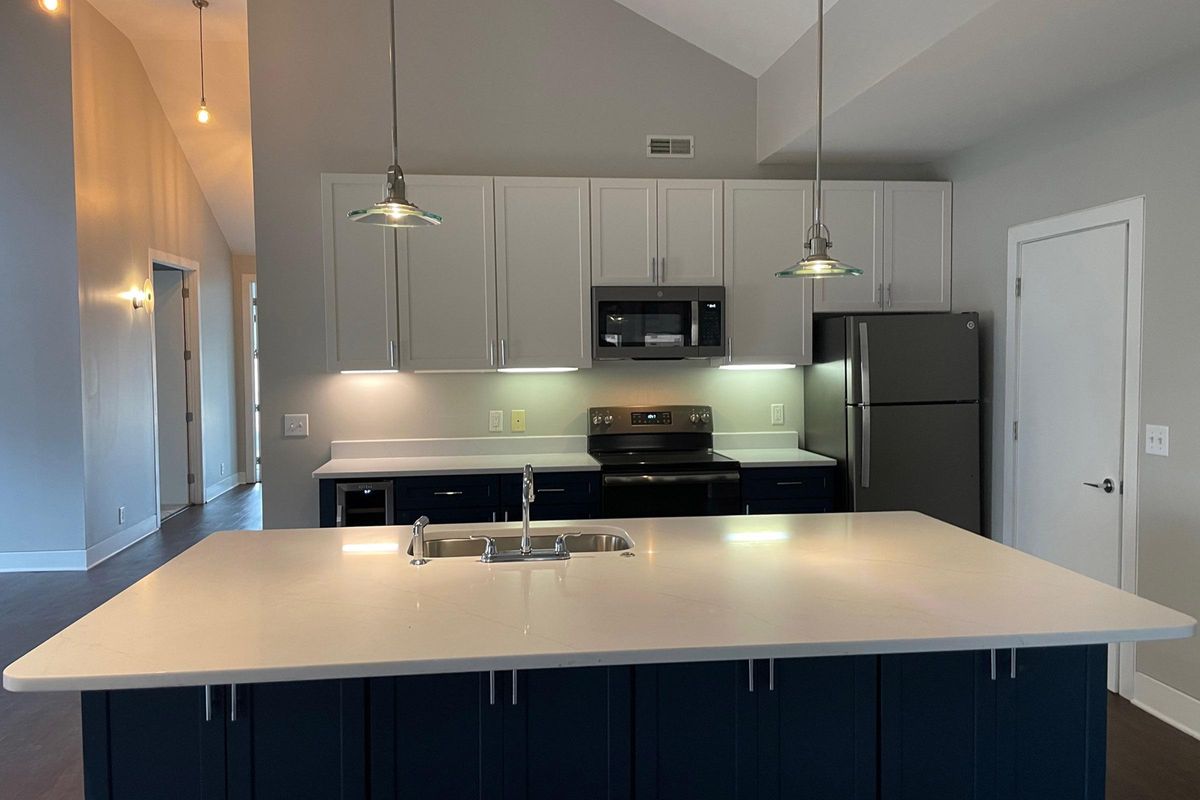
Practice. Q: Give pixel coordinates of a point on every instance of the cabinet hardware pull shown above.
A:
(493, 516)
(747, 509)
(233, 702)
(503, 353)
(392, 353)
(207, 703)
(539, 491)
(447, 494)
(750, 663)
(514, 702)
(993, 654)
(506, 515)
(729, 350)
(1012, 667)
(770, 674)
(653, 269)
(491, 687)
(880, 296)
(491, 352)
(338, 520)
(662, 269)
(789, 483)
(889, 295)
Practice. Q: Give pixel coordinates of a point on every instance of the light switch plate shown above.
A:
(121, 515)
(776, 413)
(495, 421)
(1158, 440)
(295, 425)
(517, 424)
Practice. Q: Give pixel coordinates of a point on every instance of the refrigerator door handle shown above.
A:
(864, 351)
(866, 447)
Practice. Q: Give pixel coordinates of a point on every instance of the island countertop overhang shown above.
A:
(245, 607)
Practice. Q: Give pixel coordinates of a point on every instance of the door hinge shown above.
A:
(190, 417)
(1018, 287)
(1015, 426)
(186, 293)
(191, 477)
(187, 355)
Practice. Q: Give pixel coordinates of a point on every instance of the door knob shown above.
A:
(1107, 485)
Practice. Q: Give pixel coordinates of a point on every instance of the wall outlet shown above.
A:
(121, 515)
(776, 413)
(295, 425)
(517, 424)
(1158, 440)
(222, 467)
(495, 421)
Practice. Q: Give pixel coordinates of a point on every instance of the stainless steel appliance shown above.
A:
(658, 461)
(364, 504)
(895, 399)
(658, 322)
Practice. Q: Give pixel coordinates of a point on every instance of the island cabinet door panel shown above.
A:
(1051, 721)
(937, 726)
(695, 730)
(817, 727)
(434, 737)
(298, 739)
(568, 734)
(144, 743)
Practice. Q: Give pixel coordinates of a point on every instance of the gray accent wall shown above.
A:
(523, 87)
(1139, 138)
(41, 425)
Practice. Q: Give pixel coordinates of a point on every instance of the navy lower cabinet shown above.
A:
(789, 490)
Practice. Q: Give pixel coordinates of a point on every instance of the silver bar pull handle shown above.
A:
(491, 687)
(338, 520)
(447, 493)
(233, 702)
(491, 352)
(392, 353)
(747, 509)
(866, 447)
(770, 674)
(750, 664)
(864, 352)
(654, 269)
(514, 696)
(1012, 664)
(729, 350)
(503, 353)
(889, 295)
(662, 269)
(207, 703)
(993, 657)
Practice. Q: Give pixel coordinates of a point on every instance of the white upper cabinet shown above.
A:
(917, 221)
(770, 318)
(543, 272)
(360, 278)
(690, 233)
(853, 210)
(446, 277)
(624, 232)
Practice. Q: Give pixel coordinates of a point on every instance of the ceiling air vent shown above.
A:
(670, 146)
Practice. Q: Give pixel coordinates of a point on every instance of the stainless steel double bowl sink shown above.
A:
(581, 539)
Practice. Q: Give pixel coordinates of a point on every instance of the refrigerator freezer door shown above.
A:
(912, 358)
(916, 458)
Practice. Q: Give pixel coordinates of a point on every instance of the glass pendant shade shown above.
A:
(395, 210)
(818, 263)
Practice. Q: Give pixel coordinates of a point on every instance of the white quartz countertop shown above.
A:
(243, 606)
(412, 466)
(776, 457)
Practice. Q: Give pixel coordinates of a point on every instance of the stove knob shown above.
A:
(608, 419)
(695, 418)
(706, 417)
(597, 420)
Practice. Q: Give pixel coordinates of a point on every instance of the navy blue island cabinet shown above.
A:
(973, 725)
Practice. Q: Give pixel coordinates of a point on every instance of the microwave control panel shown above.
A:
(710, 323)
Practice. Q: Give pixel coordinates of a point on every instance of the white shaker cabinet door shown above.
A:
(624, 232)
(447, 277)
(853, 211)
(360, 278)
(690, 233)
(770, 318)
(917, 223)
(543, 272)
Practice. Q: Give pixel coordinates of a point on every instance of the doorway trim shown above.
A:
(191, 318)
(247, 307)
(1132, 214)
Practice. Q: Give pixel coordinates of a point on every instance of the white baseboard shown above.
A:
(1172, 706)
(219, 488)
(44, 561)
(78, 560)
(114, 544)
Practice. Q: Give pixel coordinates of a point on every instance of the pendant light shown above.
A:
(395, 210)
(202, 115)
(817, 263)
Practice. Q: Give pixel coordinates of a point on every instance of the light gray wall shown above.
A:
(136, 192)
(41, 426)
(535, 87)
(1137, 139)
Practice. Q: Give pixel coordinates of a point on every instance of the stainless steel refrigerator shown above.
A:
(895, 399)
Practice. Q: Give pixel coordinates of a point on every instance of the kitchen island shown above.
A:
(840, 655)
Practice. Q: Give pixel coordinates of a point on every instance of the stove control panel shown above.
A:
(650, 419)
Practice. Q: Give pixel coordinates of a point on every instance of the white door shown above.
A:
(770, 318)
(543, 272)
(170, 376)
(446, 276)
(1067, 394)
(853, 210)
(360, 278)
(916, 257)
(624, 232)
(690, 233)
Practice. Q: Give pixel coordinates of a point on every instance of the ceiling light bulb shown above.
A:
(202, 116)
(50, 6)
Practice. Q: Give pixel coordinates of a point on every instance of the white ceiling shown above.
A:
(749, 34)
(165, 34)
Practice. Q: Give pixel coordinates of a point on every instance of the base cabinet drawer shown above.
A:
(450, 491)
(788, 483)
(553, 488)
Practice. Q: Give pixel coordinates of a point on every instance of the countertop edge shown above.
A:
(570, 659)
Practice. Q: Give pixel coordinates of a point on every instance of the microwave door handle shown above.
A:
(695, 341)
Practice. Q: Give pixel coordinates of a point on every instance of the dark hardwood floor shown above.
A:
(40, 751)
(39, 733)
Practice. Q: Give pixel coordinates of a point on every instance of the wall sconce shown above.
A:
(141, 298)
(49, 6)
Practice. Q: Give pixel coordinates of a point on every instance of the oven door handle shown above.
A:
(672, 478)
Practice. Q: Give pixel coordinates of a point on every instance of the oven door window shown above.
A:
(643, 325)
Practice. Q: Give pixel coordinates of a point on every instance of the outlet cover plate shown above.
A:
(295, 425)
(495, 421)
(777, 413)
(517, 424)
(1158, 440)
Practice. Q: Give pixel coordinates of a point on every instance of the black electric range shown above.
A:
(658, 461)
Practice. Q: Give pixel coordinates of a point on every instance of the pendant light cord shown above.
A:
(395, 112)
(820, 111)
(203, 97)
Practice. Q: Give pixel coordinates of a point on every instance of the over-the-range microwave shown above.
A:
(658, 322)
